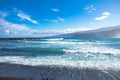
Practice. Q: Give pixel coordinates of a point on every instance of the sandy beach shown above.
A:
(24, 72)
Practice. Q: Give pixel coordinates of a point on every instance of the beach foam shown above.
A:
(50, 61)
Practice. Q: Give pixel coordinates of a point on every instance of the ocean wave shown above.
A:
(94, 50)
(63, 50)
(53, 39)
(56, 42)
(30, 51)
(61, 62)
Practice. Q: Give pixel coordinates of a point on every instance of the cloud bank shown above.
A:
(12, 28)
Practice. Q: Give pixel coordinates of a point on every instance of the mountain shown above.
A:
(109, 32)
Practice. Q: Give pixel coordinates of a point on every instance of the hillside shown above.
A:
(109, 32)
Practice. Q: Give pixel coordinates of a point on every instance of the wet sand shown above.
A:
(9, 78)
(24, 72)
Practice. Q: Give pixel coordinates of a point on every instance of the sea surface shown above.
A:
(101, 53)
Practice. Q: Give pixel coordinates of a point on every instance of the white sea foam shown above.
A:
(57, 42)
(53, 39)
(60, 41)
(61, 62)
(93, 49)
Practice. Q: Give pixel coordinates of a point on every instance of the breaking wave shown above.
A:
(59, 51)
(49, 61)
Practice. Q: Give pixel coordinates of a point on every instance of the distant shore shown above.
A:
(24, 72)
(21, 38)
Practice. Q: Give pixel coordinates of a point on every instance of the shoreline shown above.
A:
(9, 71)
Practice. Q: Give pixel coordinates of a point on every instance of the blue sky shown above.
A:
(43, 16)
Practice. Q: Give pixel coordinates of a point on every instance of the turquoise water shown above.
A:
(61, 51)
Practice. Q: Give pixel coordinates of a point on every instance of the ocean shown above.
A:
(81, 52)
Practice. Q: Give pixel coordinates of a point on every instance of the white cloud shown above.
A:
(3, 14)
(104, 16)
(70, 30)
(7, 31)
(92, 22)
(26, 17)
(55, 10)
(90, 8)
(60, 19)
(56, 32)
(7, 27)
(57, 20)
(106, 13)
(52, 21)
